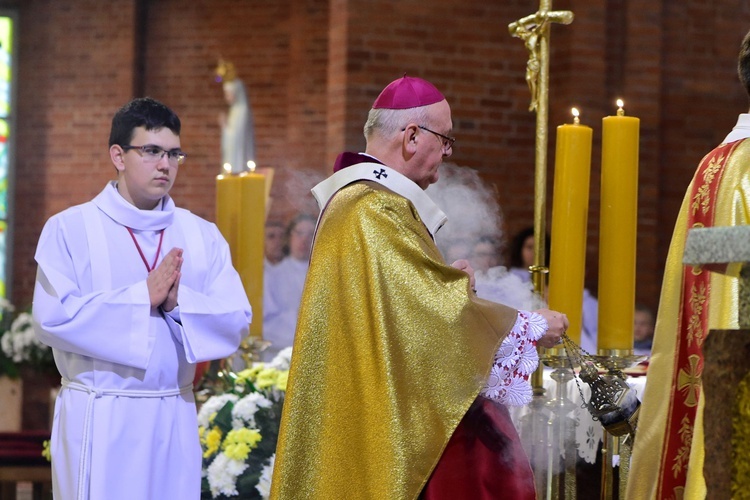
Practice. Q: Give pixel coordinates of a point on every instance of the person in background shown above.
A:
(643, 330)
(131, 292)
(400, 374)
(274, 243)
(484, 254)
(522, 258)
(283, 284)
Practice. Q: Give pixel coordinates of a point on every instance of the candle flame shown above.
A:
(227, 167)
(251, 165)
(575, 113)
(620, 104)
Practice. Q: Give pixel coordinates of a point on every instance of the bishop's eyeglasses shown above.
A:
(446, 140)
(153, 154)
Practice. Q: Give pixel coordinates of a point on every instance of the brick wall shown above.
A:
(76, 63)
(313, 67)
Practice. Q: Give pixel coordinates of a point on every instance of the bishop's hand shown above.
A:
(557, 324)
(464, 266)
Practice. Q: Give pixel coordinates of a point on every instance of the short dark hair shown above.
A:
(516, 259)
(299, 218)
(743, 63)
(141, 112)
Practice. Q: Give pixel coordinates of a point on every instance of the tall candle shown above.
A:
(240, 216)
(617, 232)
(570, 203)
(251, 244)
(227, 210)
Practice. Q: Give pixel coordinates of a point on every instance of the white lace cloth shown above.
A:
(515, 361)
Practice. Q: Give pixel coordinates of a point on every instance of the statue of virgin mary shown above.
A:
(237, 129)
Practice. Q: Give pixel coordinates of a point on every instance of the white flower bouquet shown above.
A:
(239, 429)
(19, 344)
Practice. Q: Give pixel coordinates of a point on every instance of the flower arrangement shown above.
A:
(19, 344)
(238, 431)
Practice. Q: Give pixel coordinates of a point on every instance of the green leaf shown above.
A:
(223, 418)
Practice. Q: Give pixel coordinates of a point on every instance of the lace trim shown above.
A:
(515, 360)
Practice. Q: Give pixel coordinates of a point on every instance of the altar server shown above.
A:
(131, 292)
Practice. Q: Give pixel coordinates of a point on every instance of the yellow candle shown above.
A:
(617, 232)
(251, 244)
(240, 216)
(227, 210)
(570, 203)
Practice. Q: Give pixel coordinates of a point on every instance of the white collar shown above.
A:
(432, 217)
(111, 202)
(741, 130)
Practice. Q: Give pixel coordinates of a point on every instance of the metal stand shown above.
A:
(534, 433)
(619, 423)
(562, 451)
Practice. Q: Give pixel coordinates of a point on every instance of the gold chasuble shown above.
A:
(668, 454)
(392, 347)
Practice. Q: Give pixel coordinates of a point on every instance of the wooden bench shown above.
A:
(21, 461)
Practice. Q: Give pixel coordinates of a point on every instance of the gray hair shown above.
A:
(388, 122)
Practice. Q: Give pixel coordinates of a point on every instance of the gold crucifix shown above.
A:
(531, 29)
(534, 31)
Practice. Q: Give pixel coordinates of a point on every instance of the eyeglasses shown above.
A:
(154, 154)
(447, 140)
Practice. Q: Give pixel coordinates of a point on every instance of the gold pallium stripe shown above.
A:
(697, 301)
(702, 199)
(683, 453)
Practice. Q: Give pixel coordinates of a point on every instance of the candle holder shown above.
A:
(251, 350)
(561, 443)
(613, 403)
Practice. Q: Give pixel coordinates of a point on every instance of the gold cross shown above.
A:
(534, 31)
(689, 381)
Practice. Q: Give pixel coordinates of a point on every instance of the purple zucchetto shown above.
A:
(407, 92)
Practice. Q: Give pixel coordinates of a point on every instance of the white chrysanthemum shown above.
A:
(264, 483)
(20, 342)
(222, 475)
(6, 343)
(22, 323)
(5, 305)
(282, 360)
(213, 405)
(243, 412)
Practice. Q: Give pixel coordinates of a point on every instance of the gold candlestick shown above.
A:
(534, 31)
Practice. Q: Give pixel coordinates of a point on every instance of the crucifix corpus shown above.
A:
(534, 31)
